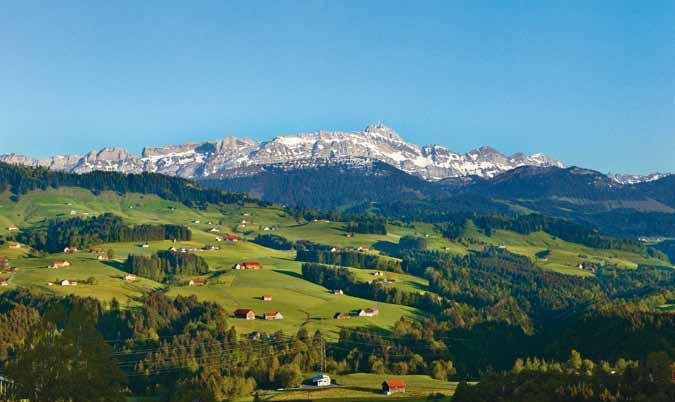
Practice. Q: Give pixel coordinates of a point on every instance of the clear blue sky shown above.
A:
(591, 84)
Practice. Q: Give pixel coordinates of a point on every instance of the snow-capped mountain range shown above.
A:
(231, 157)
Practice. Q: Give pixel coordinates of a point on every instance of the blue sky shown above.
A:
(590, 83)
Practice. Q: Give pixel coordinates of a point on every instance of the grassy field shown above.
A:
(302, 303)
(366, 387)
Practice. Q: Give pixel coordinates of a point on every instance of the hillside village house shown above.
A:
(12, 228)
(4, 283)
(342, 316)
(59, 264)
(70, 250)
(248, 265)
(229, 237)
(369, 312)
(244, 313)
(338, 292)
(378, 273)
(130, 277)
(393, 386)
(66, 282)
(102, 257)
(4, 263)
(321, 380)
(14, 245)
(273, 315)
(267, 298)
(196, 282)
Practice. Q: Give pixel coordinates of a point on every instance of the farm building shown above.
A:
(130, 277)
(338, 292)
(321, 380)
(4, 263)
(12, 228)
(244, 313)
(273, 315)
(248, 265)
(369, 312)
(66, 282)
(230, 237)
(378, 273)
(59, 264)
(70, 250)
(196, 282)
(393, 386)
(4, 283)
(102, 258)
(267, 298)
(14, 245)
(342, 316)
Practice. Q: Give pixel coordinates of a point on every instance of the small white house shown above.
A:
(321, 380)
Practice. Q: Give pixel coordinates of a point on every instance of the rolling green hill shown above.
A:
(301, 302)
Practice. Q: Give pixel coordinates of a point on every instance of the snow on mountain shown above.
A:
(635, 178)
(239, 156)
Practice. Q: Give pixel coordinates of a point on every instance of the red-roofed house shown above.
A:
(229, 237)
(59, 264)
(70, 250)
(14, 245)
(248, 265)
(244, 313)
(273, 315)
(196, 282)
(393, 386)
(267, 298)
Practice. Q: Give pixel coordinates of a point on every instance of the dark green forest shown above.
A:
(85, 232)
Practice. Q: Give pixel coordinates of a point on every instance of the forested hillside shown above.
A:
(435, 298)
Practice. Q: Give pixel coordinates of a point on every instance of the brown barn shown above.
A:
(244, 313)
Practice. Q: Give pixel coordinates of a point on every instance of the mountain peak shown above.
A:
(381, 129)
(233, 156)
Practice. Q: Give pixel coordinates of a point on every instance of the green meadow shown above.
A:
(302, 303)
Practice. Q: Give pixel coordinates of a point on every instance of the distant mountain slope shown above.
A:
(330, 184)
(233, 157)
(19, 180)
(582, 195)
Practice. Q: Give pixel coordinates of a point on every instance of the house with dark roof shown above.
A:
(244, 313)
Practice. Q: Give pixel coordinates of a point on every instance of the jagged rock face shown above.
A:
(239, 156)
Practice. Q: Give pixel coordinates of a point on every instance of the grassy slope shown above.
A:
(301, 302)
(367, 387)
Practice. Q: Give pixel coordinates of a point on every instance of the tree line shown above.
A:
(577, 379)
(21, 179)
(84, 232)
(377, 290)
(324, 254)
(164, 265)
